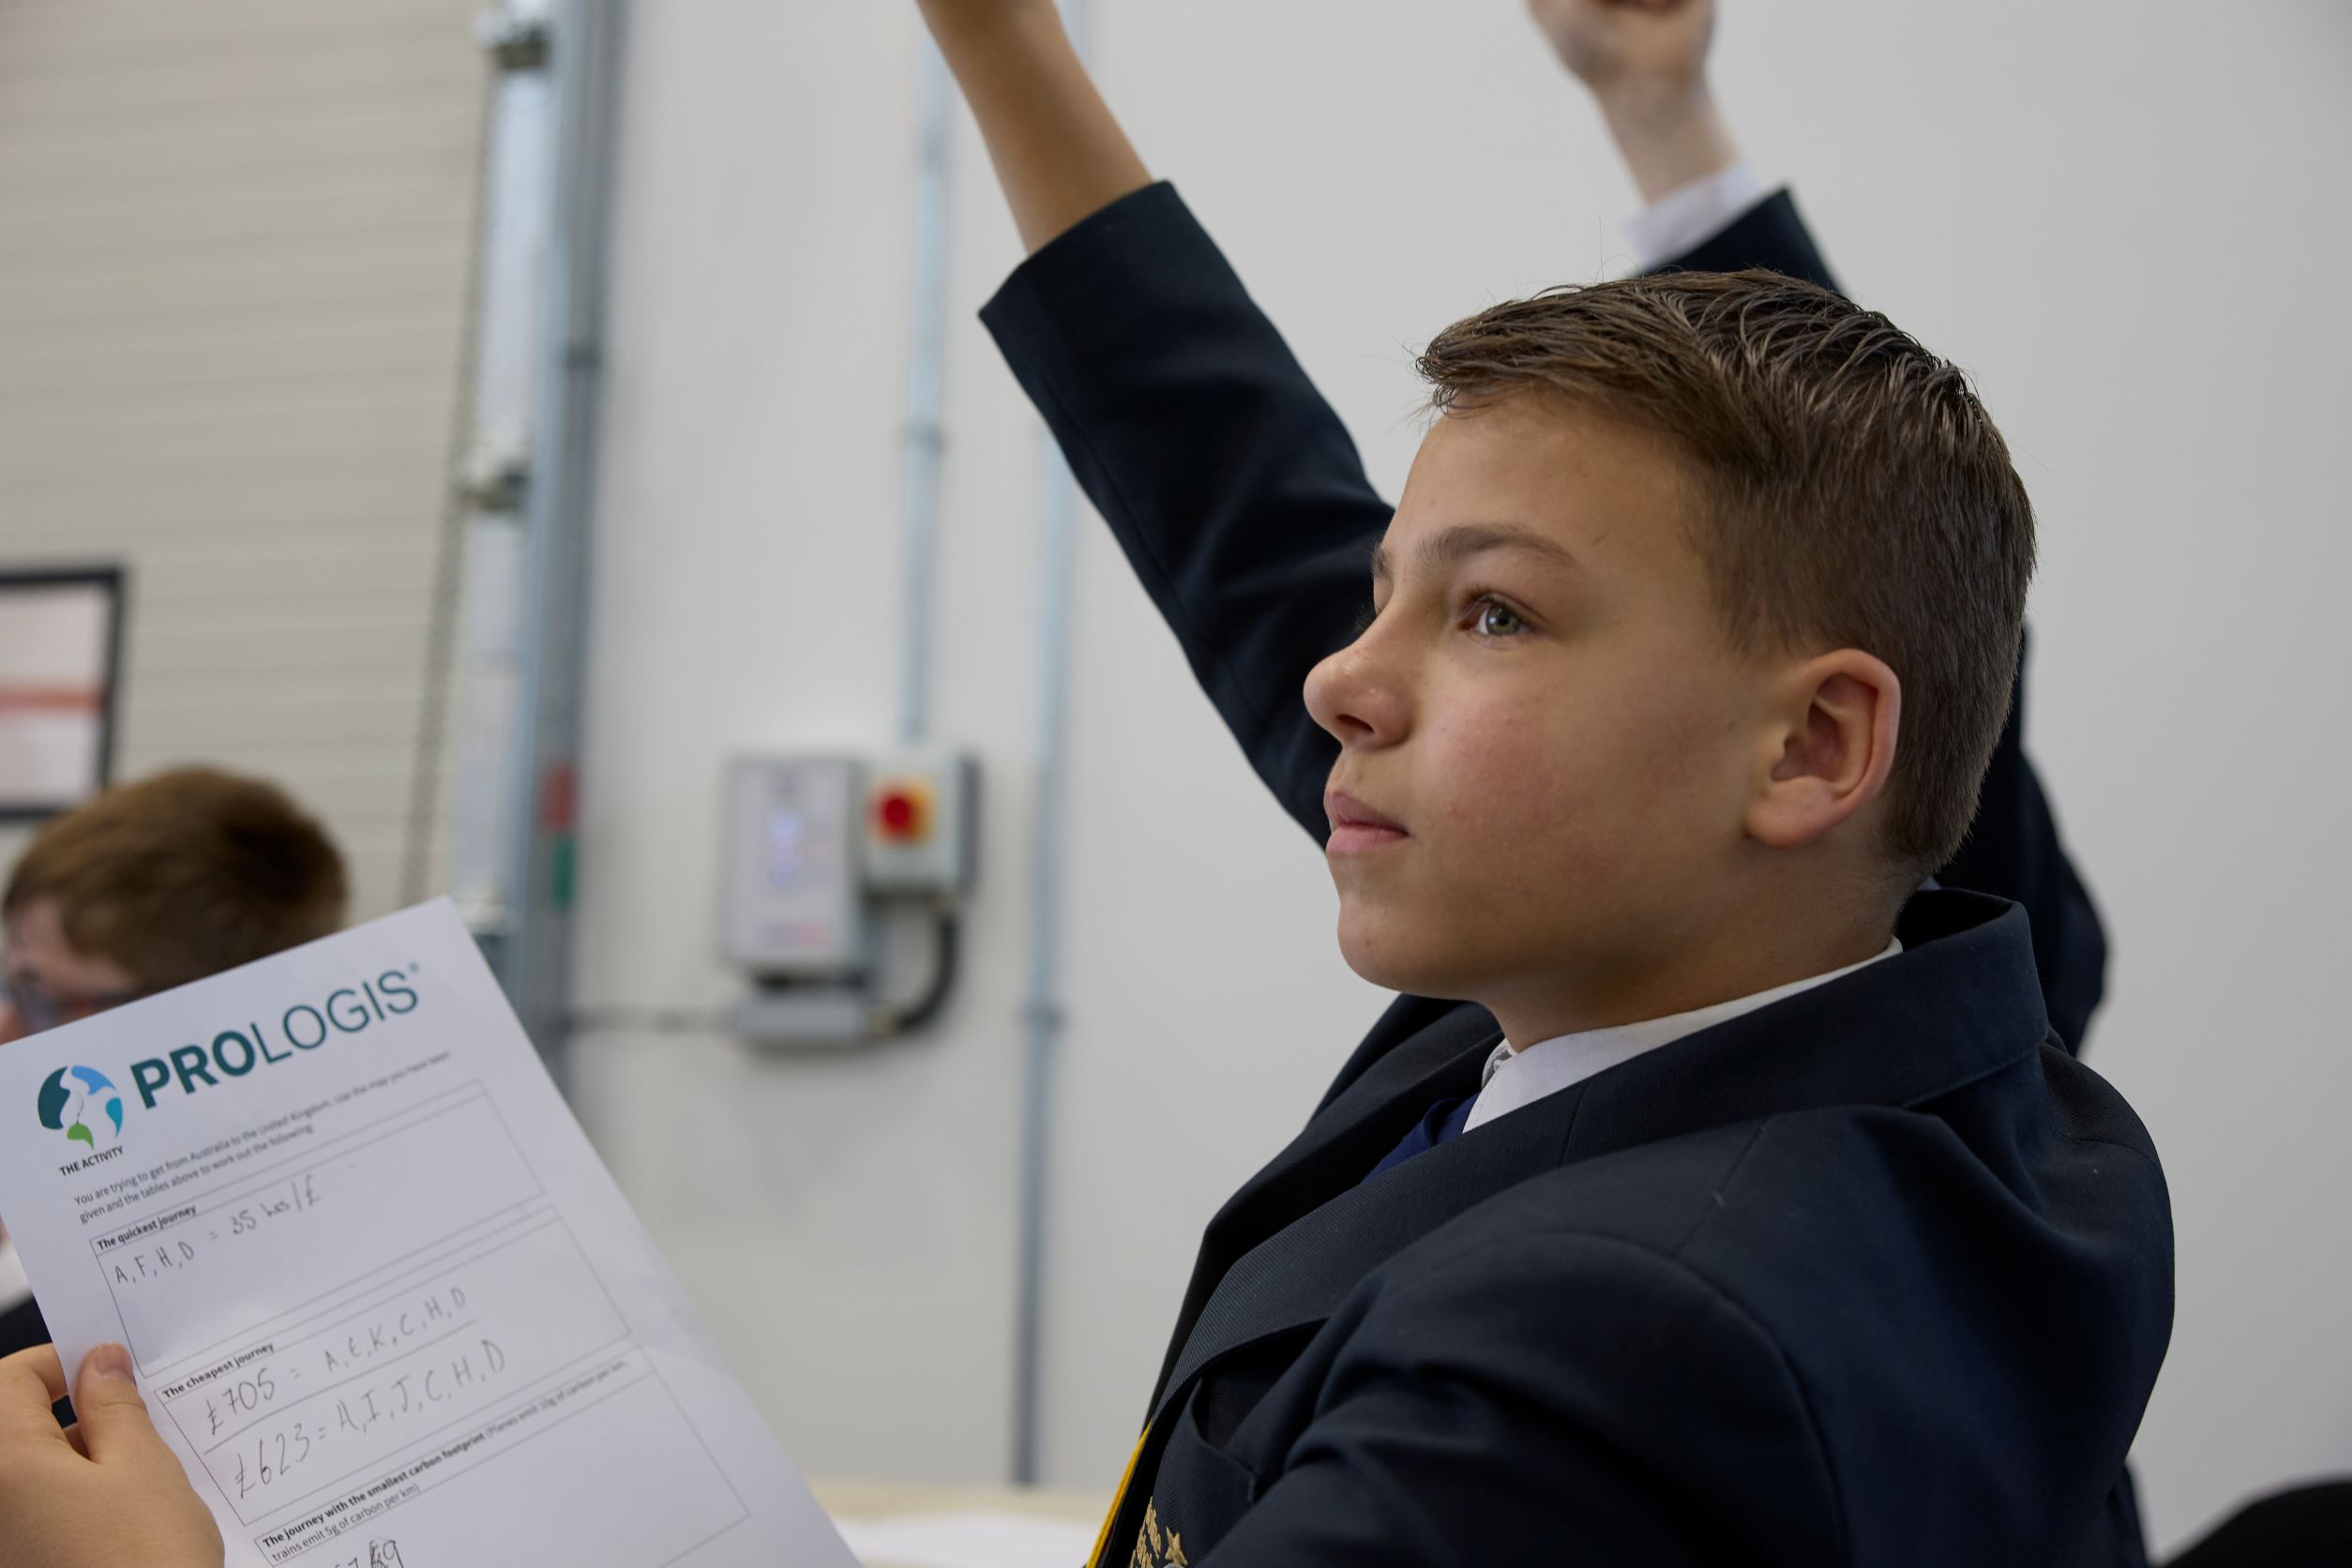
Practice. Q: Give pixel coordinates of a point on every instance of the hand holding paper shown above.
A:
(385, 1304)
(109, 1491)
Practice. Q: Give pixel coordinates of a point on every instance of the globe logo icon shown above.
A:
(81, 1103)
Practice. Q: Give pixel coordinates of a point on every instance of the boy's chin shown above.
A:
(1397, 958)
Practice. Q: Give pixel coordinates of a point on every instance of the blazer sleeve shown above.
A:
(2012, 850)
(1768, 236)
(1453, 1431)
(1227, 480)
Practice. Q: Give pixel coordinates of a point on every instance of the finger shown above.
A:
(73, 1436)
(113, 1419)
(30, 1383)
(41, 1361)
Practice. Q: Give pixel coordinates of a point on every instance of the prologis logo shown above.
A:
(81, 1103)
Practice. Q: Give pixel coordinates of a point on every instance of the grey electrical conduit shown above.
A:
(1041, 1004)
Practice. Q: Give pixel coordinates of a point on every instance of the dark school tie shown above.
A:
(1445, 1119)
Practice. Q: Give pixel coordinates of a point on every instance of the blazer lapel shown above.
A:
(1376, 1109)
(1962, 1001)
(1421, 1052)
(1301, 1274)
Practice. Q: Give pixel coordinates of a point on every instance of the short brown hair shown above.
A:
(1852, 490)
(184, 874)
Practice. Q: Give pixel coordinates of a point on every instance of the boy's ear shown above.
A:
(1830, 748)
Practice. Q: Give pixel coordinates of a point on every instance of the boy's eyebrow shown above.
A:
(1452, 546)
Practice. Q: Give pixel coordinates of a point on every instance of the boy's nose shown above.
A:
(1350, 696)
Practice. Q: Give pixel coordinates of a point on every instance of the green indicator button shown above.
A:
(560, 858)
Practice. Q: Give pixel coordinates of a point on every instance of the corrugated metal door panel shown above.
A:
(234, 244)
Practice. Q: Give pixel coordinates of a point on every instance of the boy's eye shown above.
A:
(1491, 619)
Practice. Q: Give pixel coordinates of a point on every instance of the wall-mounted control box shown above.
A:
(811, 842)
(790, 900)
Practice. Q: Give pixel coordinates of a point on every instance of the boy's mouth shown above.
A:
(1355, 827)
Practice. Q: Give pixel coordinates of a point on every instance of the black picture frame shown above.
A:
(113, 583)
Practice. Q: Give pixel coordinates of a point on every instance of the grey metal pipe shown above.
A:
(926, 430)
(1041, 1005)
(536, 961)
(478, 602)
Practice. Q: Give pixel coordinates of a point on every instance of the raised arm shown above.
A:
(1226, 477)
(1059, 153)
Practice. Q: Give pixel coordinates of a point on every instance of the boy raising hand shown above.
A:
(1712, 1192)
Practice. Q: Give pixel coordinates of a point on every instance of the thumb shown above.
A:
(112, 1418)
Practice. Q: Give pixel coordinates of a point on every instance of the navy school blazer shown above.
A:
(1878, 1274)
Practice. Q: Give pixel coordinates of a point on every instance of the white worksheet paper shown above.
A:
(384, 1299)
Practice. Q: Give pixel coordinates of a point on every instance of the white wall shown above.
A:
(2124, 218)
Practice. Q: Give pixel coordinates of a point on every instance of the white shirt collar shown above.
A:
(1521, 1078)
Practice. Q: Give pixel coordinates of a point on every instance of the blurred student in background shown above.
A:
(148, 887)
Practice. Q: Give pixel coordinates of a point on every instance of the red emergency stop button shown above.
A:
(902, 811)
